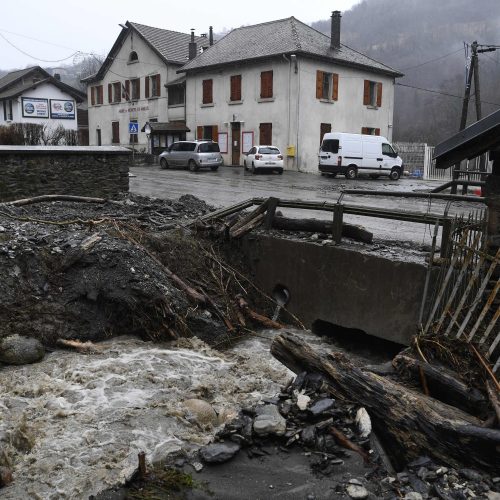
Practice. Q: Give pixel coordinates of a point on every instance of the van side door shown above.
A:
(372, 156)
(388, 155)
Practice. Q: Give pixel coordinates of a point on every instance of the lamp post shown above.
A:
(147, 129)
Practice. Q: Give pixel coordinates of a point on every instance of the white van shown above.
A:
(350, 154)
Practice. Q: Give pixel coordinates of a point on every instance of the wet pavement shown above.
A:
(230, 185)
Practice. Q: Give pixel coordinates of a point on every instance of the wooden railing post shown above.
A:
(338, 219)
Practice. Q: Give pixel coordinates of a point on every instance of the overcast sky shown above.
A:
(92, 25)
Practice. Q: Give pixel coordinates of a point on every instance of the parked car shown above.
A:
(352, 154)
(192, 154)
(264, 158)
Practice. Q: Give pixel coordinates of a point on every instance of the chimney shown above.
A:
(335, 38)
(57, 76)
(192, 46)
(211, 35)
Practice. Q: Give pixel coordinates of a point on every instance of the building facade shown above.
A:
(34, 96)
(284, 83)
(138, 83)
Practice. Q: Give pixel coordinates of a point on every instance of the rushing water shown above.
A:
(72, 425)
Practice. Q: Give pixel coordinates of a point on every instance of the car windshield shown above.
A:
(209, 147)
(269, 151)
(330, 146)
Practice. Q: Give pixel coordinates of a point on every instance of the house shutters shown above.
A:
(158, 87)
(319, 84)
(266, 134)
(146, 87)
(92, 96)
(207, 91)
(377, 131)
(199, 133)
(115, 127)
(127, 90)
(366, 93)
(215, 133)
(110, 92)
(379, 94)
(236, 88)
(266, 84)
(335, 87)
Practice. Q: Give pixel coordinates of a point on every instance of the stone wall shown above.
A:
(413, 155)
(79, 170)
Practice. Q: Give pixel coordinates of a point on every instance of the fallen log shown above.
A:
(250, 217)
(258, 318)
(58, 197)
(352, 231)
(442, 384)
(408, 423)
(249, 226)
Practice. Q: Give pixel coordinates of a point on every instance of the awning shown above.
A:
(158, 127)
(177, 81)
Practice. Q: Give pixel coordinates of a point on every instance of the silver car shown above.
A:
(193, 155)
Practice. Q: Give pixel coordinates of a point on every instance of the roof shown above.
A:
(167, 127)
(171, 46)
(17, 82)
(471, 142)
(177, 81)
(274, 38)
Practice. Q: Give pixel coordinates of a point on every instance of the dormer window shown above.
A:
(133, 57)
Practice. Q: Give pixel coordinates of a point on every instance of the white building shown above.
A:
(138, 83)
(34, 96)
(284, 83)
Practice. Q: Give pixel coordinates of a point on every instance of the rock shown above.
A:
(363, 423)
(217, 453)
(492, 495)
(5, 476)
(308, 435)
(269, 421)
(321, 406)
(314, 237)
(302, 401)
(17, 350)
(413, 495)
(197, 466)
(470, 474)
(201, 411)
(356, 491)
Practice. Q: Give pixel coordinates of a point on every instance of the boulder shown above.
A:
(201, 411)
(217, 453)
(18, 350)
(269, 421)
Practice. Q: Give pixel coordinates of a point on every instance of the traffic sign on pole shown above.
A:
(133, 128)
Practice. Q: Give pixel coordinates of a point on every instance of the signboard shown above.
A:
(222, 140)
(34, 107)
(247, 140)
(133, 128)
(62, 109)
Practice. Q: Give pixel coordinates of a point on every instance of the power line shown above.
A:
(442, 93)
(37, 39)
(433, 60)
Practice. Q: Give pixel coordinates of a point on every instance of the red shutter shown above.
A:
(236, 88)
(158, 87)
(101, 94)
(335, 85)
(199, 133)
(377, 131)
(364, 130)
(265, 134)
(110, 92)
(366, 93)
(127, 90)
(319, 84)
(379, 95)
(92, 96)
(215, 133)
(207, 91)
(146, 86)
(266, 84)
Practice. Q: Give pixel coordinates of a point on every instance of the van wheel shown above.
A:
(374, 176)
(192, 166)
(214, 169)
(163, 164)
(395, 174)
(351, 172)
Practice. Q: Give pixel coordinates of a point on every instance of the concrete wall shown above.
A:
(142, 110)
(345, 287)
(83, 171)
(294, 110)
(43, 91)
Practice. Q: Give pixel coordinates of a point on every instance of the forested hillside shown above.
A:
(407, 33)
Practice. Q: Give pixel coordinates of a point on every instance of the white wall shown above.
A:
(295, 112)
(42, 91)
(143, 110)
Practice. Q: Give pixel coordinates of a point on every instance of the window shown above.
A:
(133, 57)
(176, 95)
(152, 86)
(187, 146)
(114, 92)
(208, 91)
(330, 146)
(208, 147)
(252, 151)
(388, 151)
(136, 89)
(266, 85)
(207, 133)
(7, 110)
(115, 132)
(236, 88)
(96, 95)
(266, 133)
(372, 95)
(269, 151)
(327, 86)
(370, 131)
(133, 137)
(325, 128)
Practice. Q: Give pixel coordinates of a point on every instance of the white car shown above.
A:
(264, 158)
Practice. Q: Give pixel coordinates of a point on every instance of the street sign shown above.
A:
(133, 128)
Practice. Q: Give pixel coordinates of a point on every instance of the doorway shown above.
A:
(99, 141)
(235, 142)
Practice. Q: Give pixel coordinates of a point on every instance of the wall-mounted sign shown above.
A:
(247, 139)
(62, 109)
(222, 140)
(131, 110)
(34, 107)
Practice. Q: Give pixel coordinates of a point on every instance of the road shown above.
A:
(230, 185)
